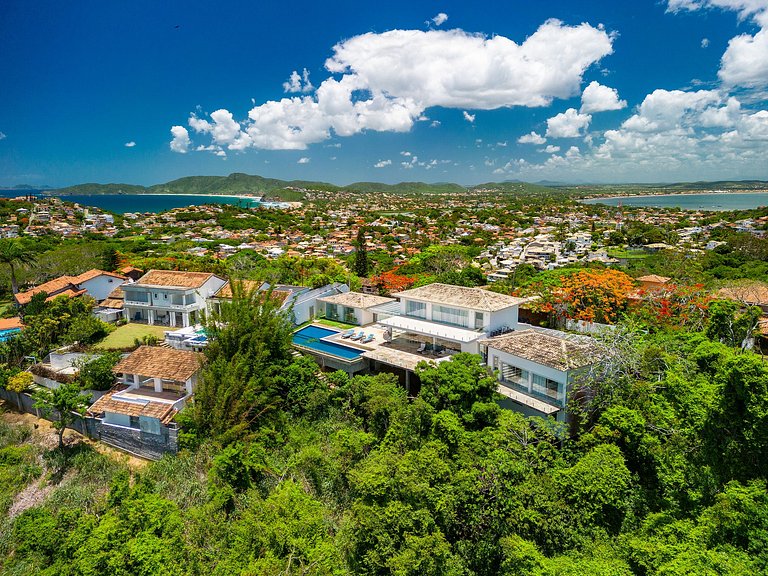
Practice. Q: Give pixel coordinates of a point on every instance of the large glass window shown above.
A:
(331, 311)
(136, 296)
(447, 315)
(510, 373)
(546, 387)
(417, 309)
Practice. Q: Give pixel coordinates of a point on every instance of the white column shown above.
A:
(185, 319)
(158, 385)
(136, 380)
(151, 316)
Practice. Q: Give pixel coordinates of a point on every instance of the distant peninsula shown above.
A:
(238, 184)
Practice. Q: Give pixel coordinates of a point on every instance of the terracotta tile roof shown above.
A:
(156, 362)
(160, 410)
(70, 292)
(117, 293)
(63, 286)
(653, 278)
(10, 323)
(174, 278)
(566, 352)
(114, 303)
(473, 298)
(52, 288)
(754, 293)
(356, 300)
(247, 285)
(129, 269)
(94, 273)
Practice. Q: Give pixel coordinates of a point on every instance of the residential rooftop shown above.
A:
(462, 296)
(567, 352)
(174, 279)
(163, 411)
(165, 363)
(356, 300)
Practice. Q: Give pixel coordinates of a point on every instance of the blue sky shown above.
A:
(145, 92)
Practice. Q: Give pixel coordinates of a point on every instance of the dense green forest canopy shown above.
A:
(284, 474)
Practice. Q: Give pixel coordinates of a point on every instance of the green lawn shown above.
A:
(4, 306)
(334, 323)
(628, 254)
(124, 336)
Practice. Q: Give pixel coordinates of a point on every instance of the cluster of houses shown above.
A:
(342, 330)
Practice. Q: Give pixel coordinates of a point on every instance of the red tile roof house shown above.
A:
(169, 298)
(153, 385)
(96, 283)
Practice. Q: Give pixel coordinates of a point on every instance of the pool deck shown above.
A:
(400, 352)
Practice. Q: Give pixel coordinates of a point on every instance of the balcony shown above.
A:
(163, 305)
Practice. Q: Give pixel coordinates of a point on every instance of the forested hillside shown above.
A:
(663, 471)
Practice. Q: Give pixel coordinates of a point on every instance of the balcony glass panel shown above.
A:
(453, 316)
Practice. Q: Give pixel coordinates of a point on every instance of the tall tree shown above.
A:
(67, 401)
(13, 254)
(248, 351)
(361, 254)
(110, 260)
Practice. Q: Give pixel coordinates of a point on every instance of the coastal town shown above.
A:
(315, 289)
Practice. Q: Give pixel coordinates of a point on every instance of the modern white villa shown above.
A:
(169, 298)
(535, 366)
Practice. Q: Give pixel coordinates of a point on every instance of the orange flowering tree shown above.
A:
(588, 294)
(390, 281)
(673, 306)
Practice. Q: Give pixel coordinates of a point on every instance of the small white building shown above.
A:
(352, 307)
(153, 385)
(536, 368)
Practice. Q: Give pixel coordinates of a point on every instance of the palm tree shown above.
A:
(13, 253)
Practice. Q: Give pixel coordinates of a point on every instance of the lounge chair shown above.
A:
(358, 336)
(348, 333)
(421, 348)
(367, 339)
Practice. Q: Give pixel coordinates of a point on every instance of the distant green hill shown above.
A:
(93, 188)
(406, 188)
(291, 190)
(515, 187)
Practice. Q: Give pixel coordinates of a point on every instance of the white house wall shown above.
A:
(100, 286)
(531, 367)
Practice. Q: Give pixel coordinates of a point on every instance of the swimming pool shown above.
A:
(310, 337)
(9, 333)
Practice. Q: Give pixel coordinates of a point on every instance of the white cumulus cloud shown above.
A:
(298, 82)
(385, 82)
(440, 19)
(2, 136)
(303, 160)
(130, 144)
(599, 98)
(180, 142)
(468, 117)
(532, 138)
(745, 61)
(382, 163)
(568, 124)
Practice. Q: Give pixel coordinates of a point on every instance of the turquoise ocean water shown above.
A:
(121, 203)
(707, 201)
